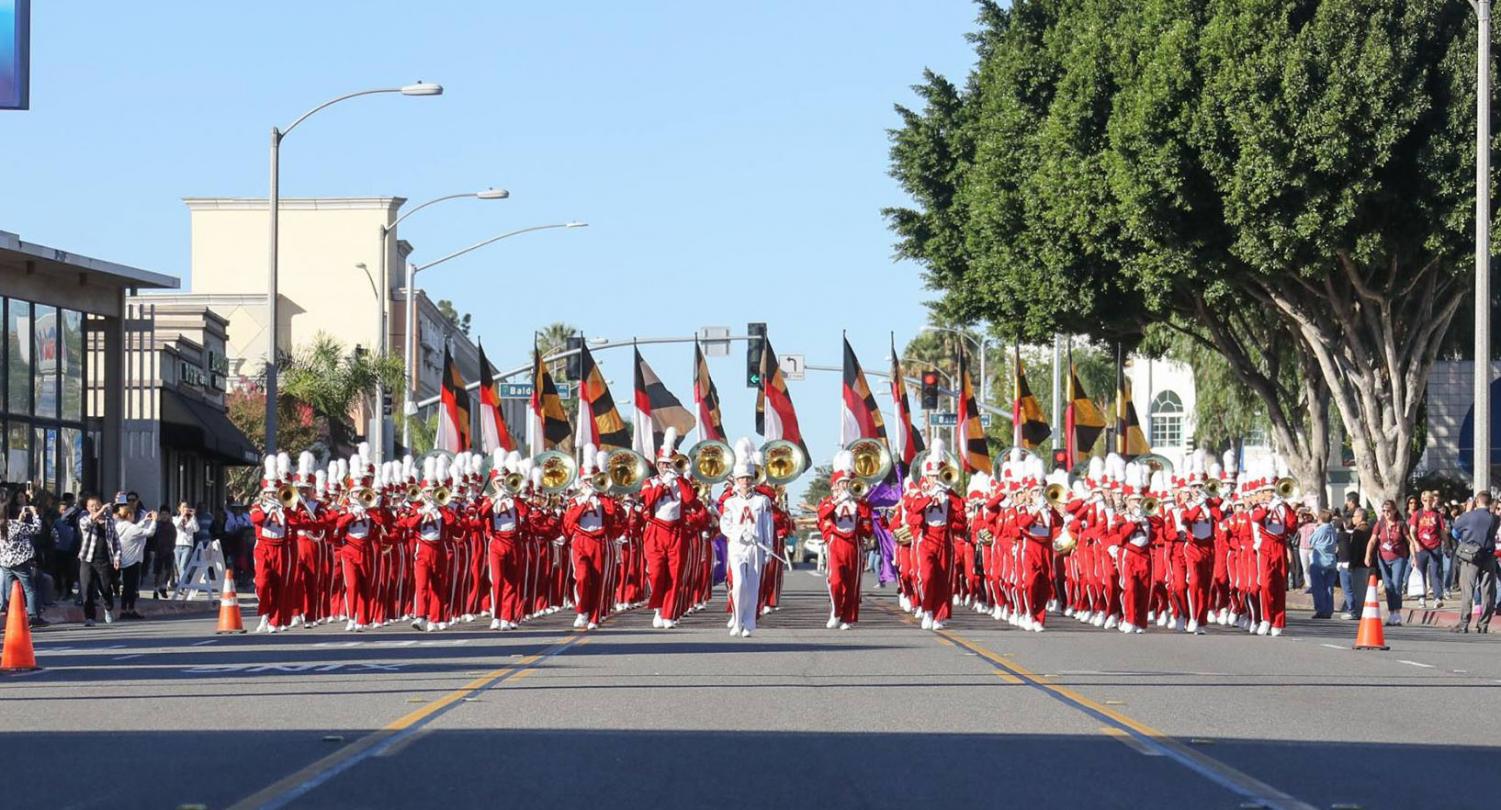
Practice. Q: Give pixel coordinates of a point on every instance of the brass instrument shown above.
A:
(1150, 505)
(600, 480)
(559, 471)
(1056, 495)
(985, 537)
(872, 463)
(1286, 488)
(513, 483)
(441, 496)
(1065, 543)
(680, 463)
(710, 461)
(413, 493)
(782, 462)
(1213, 487)
(902, 535)
(625, 472)
(948, 473)
(1155, 462)
(366, 497)
(287, 496)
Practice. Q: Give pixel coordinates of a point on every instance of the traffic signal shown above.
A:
(385, 404)
(575, 364)
(930, 390)
(753, 349)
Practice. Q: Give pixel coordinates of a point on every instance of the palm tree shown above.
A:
(332, 382)
(553, 339)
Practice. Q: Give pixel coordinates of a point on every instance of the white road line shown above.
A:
(205, 642)
(1414, 663)
(1334, 646)
(127, 657)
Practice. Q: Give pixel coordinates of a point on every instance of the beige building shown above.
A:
(328, 281)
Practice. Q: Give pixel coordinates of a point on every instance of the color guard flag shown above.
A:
(1129, 439)
(859, 416)
(1026, 415)
(656, 410)
(706, 398)
(969, 430)
(775, 416)
(453, 409)
(906, 441)
(494, 434)
(1083, 420)
(548, 427)
(599, 420)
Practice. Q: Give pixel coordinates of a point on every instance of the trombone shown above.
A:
(1286, 488)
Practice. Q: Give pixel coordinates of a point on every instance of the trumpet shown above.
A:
(1213, 488)
(710, 461)
(784, 462)
(948, 472)
(413, 493)
(680, 463)
(558, 471)
(625, 472)
(1150, 505)
(859, 488)
(510, 484)
(287, 496)
(1286, 488)
(365, 497)
(441, 496)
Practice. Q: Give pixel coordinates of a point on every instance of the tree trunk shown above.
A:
(1374, 336)
(1298, 418)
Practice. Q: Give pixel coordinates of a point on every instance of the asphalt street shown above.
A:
(164, 714)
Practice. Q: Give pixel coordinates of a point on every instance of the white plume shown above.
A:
(670, 440)
(283, 465)
(844, 461)
(270, 465)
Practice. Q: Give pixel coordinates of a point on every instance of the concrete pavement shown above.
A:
(796, 716)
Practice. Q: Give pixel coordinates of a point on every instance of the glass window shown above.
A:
(70, 347)
(44, 333)
(18, 351)
(1167, 420)
(70, 447)
(44, 458)
(17, 452)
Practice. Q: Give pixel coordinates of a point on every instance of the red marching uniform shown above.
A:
(432, 528)
(935, 518)
(665, 503)
(1272, 526)
(1200, 521)
(844, 524)
(591, 524)
(1039, 528)
(360, 530)
(504, 523)
(274, 562)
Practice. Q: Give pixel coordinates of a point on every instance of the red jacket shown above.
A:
(655, 491)
(609, 514)
(828, 527)
(945, 533)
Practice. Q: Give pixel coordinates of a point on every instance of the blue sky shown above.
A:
(730, 158)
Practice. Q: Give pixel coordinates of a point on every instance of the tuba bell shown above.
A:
(559, 471)
(1286, 488)
(626, 471)
(782, 462)
(872, 461)
(710, 461)
(1156, 462)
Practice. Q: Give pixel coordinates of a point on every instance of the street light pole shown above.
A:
(410, 408)
(273, 213)
(1483, 249)
(378, 430)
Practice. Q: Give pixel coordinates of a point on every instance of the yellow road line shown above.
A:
(1121, 726)
(288, 789)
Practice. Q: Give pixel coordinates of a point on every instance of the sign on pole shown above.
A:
(950, 419)
(524, 390)
(715, 340)
(794, 366)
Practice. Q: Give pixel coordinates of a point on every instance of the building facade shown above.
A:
(1449, 448)
(62, 403)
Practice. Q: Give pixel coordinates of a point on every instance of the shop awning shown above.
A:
(190, 424)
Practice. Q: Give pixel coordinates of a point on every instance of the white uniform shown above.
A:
(746, 523)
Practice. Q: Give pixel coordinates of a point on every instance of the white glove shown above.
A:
(1139, 542)
(1114, 551)
(1256, 544)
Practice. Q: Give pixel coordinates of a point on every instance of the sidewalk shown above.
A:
(1445, 617)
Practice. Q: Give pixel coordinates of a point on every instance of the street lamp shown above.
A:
(979, 344)
(410, 408)
(273, 206)
(1483, 249)
(378, 431)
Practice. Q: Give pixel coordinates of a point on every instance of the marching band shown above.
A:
(455, 538)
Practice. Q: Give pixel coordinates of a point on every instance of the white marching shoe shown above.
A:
(1110, 623)
(1193, 627)
(927, 622)
(668, 624)
(1126, 627)
(1038, 627)
(1052, 606)
(1276, 631)
(844, 625)
(1068, 611)
(264, 626)
(731, 623)
(349, 625)
(745, 632)
(579, 621)
(766, 610)
(592, 626)
(903, 602)
(1085, 617)
(1100, 620)
(832, 623)
(1162, 620)
(1224, 616)
(998, 613)
(734, 631)
(656, 620)
(496, 624)
(1263, 628)
(937, 625)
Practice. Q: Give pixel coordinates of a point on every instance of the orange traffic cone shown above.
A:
(1370, 635)
(18, 655)
(229, 608)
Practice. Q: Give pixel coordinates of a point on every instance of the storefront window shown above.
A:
(70, 447)
(44, 458)
(18, 357)
(17, 452)
(71, 348)
(44, 331)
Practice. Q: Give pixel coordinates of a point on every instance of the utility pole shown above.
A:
(1483, 248)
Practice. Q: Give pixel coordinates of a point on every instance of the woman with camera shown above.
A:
(19, 526)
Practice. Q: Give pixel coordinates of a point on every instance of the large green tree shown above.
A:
(1286, 182)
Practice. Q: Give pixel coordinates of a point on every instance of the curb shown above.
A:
(70, 613)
